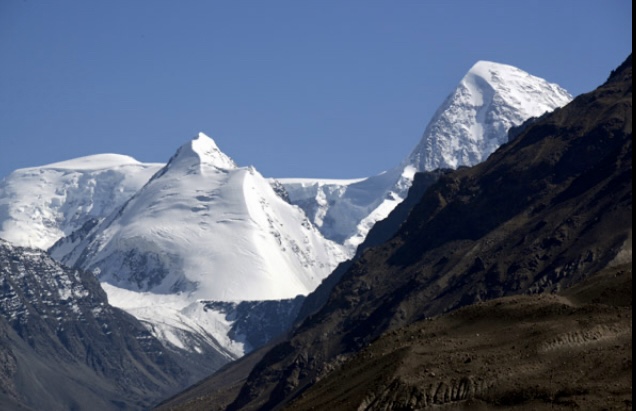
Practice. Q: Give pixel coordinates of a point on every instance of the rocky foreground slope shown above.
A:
(571, 350)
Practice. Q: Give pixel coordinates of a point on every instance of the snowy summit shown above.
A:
(202, 154)
(201, 229)
(474, 120)
(206, 227)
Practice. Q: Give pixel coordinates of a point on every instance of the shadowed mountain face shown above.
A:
(63, 347)
(381, 232)
(541, 214)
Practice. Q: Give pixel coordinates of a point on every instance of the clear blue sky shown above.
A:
(334, 89)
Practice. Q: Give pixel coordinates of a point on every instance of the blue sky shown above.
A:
(333, 89)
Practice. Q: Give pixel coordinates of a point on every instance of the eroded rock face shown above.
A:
(401, 395)
(257, 322)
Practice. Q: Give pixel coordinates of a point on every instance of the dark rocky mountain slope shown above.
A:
(63, 347)
(381, 232)
(571, 350)
(543, 213)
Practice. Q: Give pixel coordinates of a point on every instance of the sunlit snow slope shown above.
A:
(211, 230)
(472, 123)
(40, 205)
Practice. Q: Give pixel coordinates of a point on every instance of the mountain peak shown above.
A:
(474, 120)
(204, 142)
(202, 151)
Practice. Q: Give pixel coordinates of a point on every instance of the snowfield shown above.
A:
(40, 205)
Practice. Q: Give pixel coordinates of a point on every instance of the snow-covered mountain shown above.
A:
(474, 120)
(40, 205)
(471, 124)
(205, 227)
(202, 229)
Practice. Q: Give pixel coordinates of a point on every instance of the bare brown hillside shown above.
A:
(571, 350)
